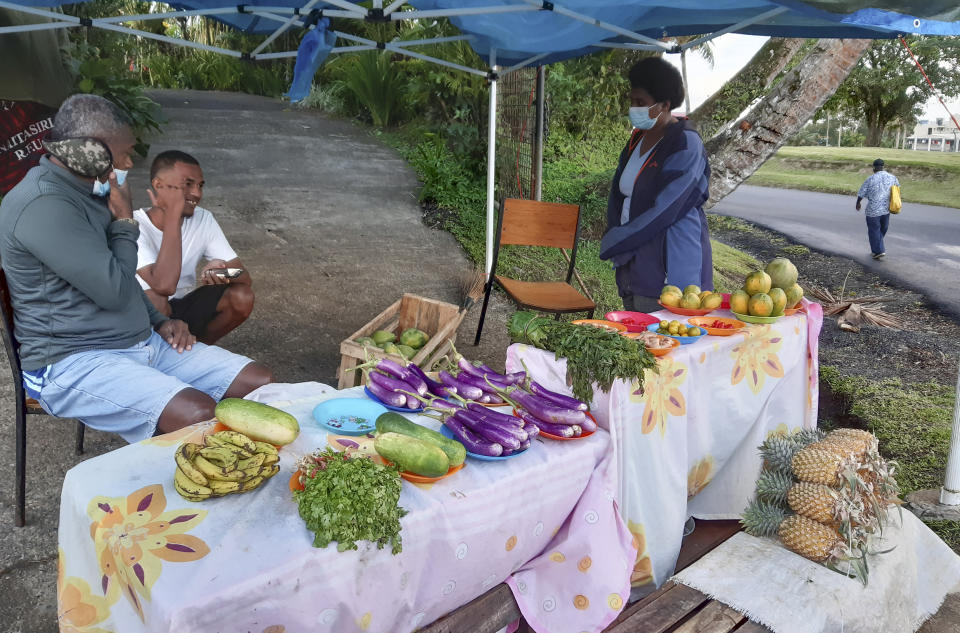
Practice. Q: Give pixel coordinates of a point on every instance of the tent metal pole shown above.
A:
(541, 94)
(355, 38)
(759, 19)
(144, 17)
(165, 38)
(41, 12)
(950, 492)
(338, 49)
(393, 6)
(432, 40)
(629, 46)
(522, 64)
(491, 161)
(360, 12)
(601, 24)
(397, 49)
(446, 13)
(42, 26)
(282, 28)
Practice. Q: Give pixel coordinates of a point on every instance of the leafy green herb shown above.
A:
(594, 355)
(350, 499)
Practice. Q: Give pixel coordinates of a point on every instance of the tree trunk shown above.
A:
(874, 135)
(752, 82)
(686, 84)
(737, 152)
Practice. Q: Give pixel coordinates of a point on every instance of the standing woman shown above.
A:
(656, 228)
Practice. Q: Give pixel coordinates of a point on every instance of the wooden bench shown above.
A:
(670, 609)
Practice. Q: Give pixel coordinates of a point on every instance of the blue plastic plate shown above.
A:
(389, 406)
(484, 458)
(684, 340)
(348, 416)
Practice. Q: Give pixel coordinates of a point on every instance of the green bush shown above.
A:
(376, 84)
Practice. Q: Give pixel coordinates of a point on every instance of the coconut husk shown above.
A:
(853, 312)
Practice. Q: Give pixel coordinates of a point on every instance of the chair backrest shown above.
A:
(534, 223)
(9, 340)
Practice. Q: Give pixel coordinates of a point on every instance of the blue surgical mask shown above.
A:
(640, 118)
(101, 189)
(121, 176)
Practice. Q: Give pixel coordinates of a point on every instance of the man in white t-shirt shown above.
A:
(171, 246)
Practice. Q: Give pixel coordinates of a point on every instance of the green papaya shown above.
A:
(380, 337)
(414, 338)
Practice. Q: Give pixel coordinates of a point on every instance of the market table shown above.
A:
(697, 422)
(135, 556)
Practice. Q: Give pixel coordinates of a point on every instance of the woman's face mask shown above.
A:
(640, 117)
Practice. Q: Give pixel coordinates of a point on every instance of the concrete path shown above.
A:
(923, 242)
(326, 219)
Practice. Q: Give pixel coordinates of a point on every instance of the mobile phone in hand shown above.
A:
(229, 273)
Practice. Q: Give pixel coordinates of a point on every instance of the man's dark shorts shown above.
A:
(198, 308)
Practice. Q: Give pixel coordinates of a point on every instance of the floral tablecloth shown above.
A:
(685, 444)
(135, 556)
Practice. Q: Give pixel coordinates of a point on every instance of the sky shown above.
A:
(731, 52)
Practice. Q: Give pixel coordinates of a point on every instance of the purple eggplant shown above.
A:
(588, 425)
(467, 391)
(523, 446)
(482, 410)
(516, 377)
(399, 371)
(577, 430)
(484, 398)
(387, 396)
(486, 431)
(439, 404)
(509, 427)
(470, 441)
(558, 399)
(494, 398)
(546, 410)
(563, 430)
(486, 384)
(388, 382)
(532, 430)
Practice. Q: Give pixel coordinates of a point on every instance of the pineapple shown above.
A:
(815, 501)
(778, 450)
(819, 464)
(799, 534)
(810, 539)
(860, 443)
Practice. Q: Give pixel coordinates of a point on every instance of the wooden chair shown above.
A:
(25, 406)
(532, 223)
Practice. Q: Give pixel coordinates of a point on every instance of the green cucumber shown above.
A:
(412, 455)
(396, 423)
(258, 421)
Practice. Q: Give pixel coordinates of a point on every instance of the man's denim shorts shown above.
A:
(124, 391)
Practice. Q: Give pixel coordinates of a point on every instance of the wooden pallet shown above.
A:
(671, 609)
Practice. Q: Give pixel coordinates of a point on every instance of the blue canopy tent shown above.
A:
(512, 34)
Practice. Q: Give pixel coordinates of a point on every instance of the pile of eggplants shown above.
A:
(396, 385)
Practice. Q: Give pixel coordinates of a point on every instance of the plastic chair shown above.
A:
(532, 223)
(25, 406)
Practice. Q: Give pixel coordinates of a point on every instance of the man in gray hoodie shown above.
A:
(92, 346)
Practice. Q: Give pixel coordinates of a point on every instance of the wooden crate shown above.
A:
(438, 319)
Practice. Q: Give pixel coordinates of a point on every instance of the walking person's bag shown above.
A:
(895, 202)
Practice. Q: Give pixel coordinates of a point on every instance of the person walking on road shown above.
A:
(876, 189)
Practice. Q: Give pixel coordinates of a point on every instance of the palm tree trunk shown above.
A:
(752, 82)
(739, 151)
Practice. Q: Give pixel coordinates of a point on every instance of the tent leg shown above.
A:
(491, 170)
(950, 493)
(538, 158)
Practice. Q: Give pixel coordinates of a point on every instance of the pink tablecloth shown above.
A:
(685, 445)
(134, 556)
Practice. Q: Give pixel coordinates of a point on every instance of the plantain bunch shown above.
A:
(225, 463)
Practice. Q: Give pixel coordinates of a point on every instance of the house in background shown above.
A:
(934, 135)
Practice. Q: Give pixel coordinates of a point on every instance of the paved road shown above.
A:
(923, 242)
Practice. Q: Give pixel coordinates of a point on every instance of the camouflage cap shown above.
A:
(85, 156)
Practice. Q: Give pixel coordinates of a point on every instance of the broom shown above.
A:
(471, 288)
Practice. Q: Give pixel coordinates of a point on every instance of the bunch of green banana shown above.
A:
(226, 462)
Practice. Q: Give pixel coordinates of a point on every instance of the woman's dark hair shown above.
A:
(661, 80)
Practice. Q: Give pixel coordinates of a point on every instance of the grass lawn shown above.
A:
(926, 177)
